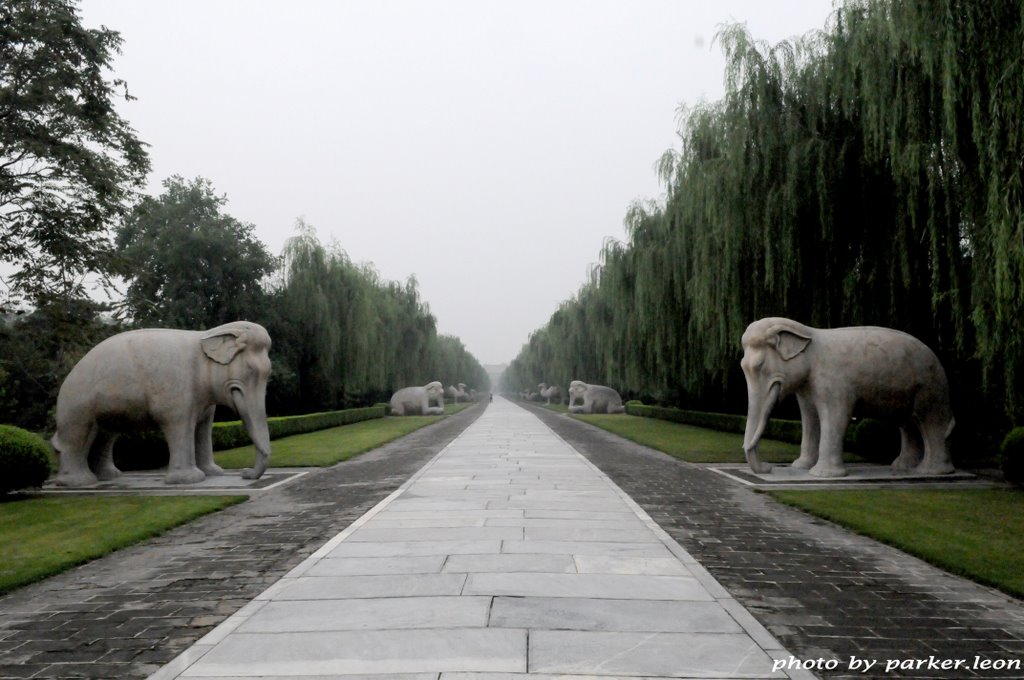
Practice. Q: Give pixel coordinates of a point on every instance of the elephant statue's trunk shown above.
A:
(757, 420)
(254, 417)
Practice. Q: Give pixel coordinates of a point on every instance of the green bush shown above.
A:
(147, 450)
(875, 440)
(24, 459)
(780, 430)
(1012, 456)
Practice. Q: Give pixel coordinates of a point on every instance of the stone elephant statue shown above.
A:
(416, 401)
(172, 378)
(549, 393)
(596, 399)
(841, 372)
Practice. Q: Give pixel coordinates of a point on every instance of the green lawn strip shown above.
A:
(977, 533)
(689, 443)
(327, 447)
(42, 536)
(559, 408)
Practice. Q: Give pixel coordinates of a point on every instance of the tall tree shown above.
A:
(869, 173)
(193, 266)
(69, 164)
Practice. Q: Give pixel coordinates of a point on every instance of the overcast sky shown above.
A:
(488, 148)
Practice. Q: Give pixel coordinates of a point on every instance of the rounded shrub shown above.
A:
(1012, 454)
(875, 440)
(24, 459)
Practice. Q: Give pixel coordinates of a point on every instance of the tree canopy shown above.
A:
(192, 265)
(869, 173)
(69, 164)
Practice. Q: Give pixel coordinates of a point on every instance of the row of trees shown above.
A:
(72, 218)
(867, 174)
(342, 335)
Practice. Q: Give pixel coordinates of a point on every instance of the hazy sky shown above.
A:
(488, 148)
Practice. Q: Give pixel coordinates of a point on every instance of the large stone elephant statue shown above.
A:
(841, 372)
(416, 401)
(174, 379)
(595, 398)
(549, 393)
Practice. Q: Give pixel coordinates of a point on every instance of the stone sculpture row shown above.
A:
(583, 397)
(175, 379)
(836, 374)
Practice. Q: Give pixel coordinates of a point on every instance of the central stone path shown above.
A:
(508, 554)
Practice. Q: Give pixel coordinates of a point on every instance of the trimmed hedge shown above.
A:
(147, 450)
(24, 459)
(1012, 456)
(874, 440)
(781, 430)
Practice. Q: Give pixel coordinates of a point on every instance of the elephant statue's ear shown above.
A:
(790, 343)
(222, 346)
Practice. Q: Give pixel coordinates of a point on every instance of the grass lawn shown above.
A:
(327, 447)
(42, 536)
(689, 443)
(977, 533)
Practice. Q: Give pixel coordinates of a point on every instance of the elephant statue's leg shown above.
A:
(73, 443)
(102, 459)
(936, 460)
(810, 434)
(833, 422)
(181, 468)
(911, 448)
(204, 445)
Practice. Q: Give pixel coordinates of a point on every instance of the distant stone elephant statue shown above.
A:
(841, 372)
(595, 398)
(416, 401)
(549, 393)
(172, 378)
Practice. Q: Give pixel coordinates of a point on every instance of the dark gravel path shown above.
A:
(823, 591)
(129, 613)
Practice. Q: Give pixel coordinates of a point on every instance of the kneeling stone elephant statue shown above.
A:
(841, 372)
(596, 399)
(174, 379)
(415, 401)
(549, 393)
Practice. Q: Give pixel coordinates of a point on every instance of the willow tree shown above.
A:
(343, 337)
(868, 173)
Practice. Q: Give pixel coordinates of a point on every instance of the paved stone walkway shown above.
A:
(508, 554)
(126, 615)
(824, 592)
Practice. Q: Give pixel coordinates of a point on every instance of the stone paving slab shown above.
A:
(126, 615)
(822, 591)
(564, 597)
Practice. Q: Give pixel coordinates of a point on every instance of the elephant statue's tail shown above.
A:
(952, 424)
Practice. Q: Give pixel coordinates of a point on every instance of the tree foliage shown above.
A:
(869, 173)
(69, 164)
(342, 336)
(192, 265)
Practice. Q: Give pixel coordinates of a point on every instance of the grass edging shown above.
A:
(974, 533)
(688, 442)
(45, 535)
(334, 445)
